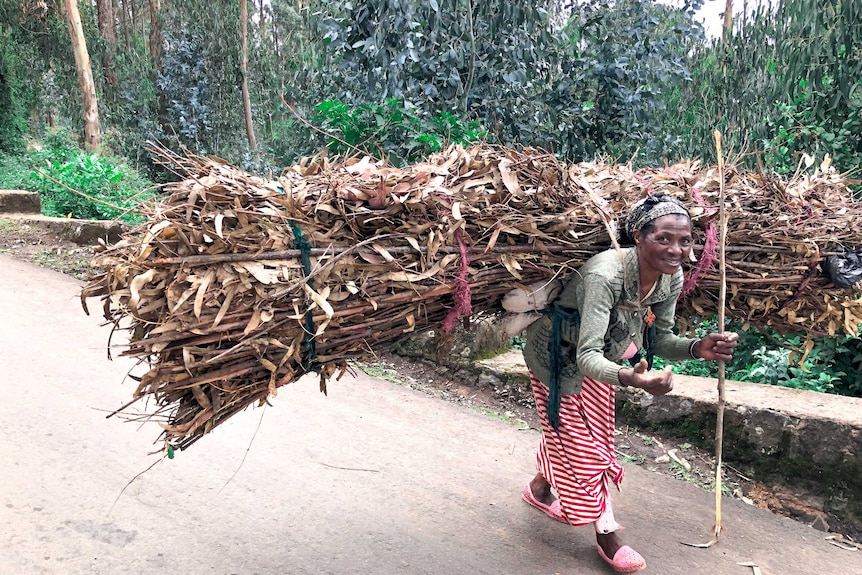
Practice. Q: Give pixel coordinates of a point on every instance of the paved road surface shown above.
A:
(375, 479)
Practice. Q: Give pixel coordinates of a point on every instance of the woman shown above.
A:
(619, 306)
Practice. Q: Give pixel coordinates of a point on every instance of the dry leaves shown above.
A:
(224, 305)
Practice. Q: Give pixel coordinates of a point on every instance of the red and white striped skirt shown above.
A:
(578, 458)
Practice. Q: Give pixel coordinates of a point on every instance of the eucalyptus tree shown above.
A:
(575, 78)
(484, 58)
(108, 32)
(92, 131)
(785, 84)
(243, 70)
(621, 60)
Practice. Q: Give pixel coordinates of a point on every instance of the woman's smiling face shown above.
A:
(666, 245)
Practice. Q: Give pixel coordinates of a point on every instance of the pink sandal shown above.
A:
(554, 511)
(626, 560)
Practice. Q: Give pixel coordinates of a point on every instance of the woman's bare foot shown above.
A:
(542, 490)
(609, 542)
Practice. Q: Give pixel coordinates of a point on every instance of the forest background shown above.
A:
(84, 84)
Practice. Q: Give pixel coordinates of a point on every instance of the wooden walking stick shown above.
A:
(722, 296)
(719, 423)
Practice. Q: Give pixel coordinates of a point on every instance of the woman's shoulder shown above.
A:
(608, 263)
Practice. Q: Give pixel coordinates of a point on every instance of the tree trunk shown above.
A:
(275, 40)
(120, 7)
(133, 13)
(262, 14)
(246, 98)
(728, 21)
(155, 34)
(105, 9)
(92, 132)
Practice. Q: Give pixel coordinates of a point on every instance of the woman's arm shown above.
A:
(667, 344)
(599, 296)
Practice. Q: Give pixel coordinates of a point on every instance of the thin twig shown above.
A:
(91, 198)
(328, 135)
(120, 494)
(349, 468)
(247, 449)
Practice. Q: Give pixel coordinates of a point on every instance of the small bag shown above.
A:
(535, 298)
(524, 306)
(845, 271)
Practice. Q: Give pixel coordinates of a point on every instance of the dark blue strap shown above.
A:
(304, 247)
(558, 316)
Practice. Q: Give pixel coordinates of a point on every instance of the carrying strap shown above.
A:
(303, 245)
(558, 315)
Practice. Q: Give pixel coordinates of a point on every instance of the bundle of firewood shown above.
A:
(237, 285)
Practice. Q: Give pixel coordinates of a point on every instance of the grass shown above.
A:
(29, 242)
(18, 228)
(501, 416)
(378, 369)
(70, 262)
(7, 225)
(637, 459)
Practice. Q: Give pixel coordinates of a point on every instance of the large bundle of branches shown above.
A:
(237, 285)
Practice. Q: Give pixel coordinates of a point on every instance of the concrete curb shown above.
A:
(20, 201)
(82, 232)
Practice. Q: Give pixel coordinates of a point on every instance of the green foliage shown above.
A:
(622, 57)
(392, 129)
(52, 172)
(112, 189)
(832, 364)
(585, 88)
(442, 56)
(16, 174)
(786, 84)
(799, 129)
(15, 94)
(186, 86)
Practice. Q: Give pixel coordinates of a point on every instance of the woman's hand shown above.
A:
(653, 382)
(716, 346)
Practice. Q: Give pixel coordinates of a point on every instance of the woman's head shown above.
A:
(643, 214)
(660, 227)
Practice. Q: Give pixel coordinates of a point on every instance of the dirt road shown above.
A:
(374, 479)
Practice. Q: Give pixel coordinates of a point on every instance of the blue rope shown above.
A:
(304, 247)
(558, 316)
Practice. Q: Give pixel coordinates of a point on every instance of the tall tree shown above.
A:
(246, 97)
(105, 9)
(728, 22)
(122, 11)
(155, 32)
(92, 132)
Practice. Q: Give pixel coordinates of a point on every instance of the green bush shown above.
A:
(86, 186)
(832, 364)
(76, 184)
(392, 129)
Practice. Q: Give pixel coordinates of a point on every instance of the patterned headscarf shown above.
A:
(649, 209)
